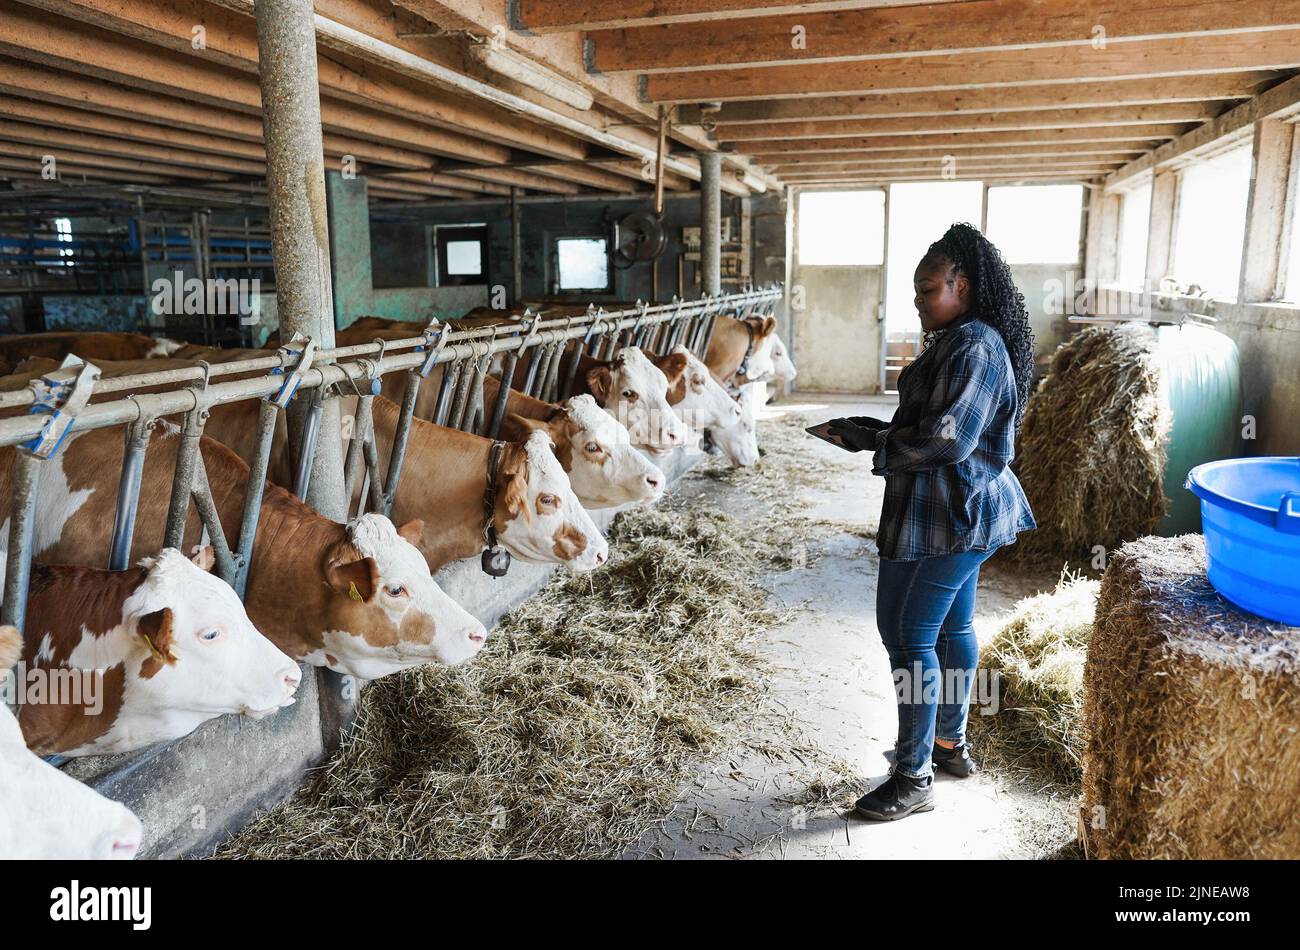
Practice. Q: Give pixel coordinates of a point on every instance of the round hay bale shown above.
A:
(1191, 716)
(1038, 657)
(1091, 453)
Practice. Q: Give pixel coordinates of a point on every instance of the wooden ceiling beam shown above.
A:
(793, 160)
(39, 155)
(566, 16)
(31, 134)
(1117, 117)
(1143, 134)
(1183, 56)
(977, 26)
(524, 179)
(1005, 99)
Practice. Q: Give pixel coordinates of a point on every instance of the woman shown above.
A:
(950, 501)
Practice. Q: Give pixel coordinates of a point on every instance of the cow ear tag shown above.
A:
(496, 561)
(353, 592)
(153, 650)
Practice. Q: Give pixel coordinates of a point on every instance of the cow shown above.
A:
(783, 370)
(357, 598)
(87, 345)
(696, 397)
(634, 390)
(740, 351)
(155, 652)
(739, 441)
(446, 476)
(45, 814)
(594, 449)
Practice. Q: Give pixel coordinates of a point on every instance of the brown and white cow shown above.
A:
(359, 598)
(44, 814)
(154, 652)
(88, 345)
(736, 342)
(739, 441)
(634, 390)
(605, 470)
(697, 397)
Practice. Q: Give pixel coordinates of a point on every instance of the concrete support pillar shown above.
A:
(710, 222)
(1160, 230)
(295, 180)
(1266, 224)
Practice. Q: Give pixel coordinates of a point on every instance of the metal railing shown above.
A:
(59, 402)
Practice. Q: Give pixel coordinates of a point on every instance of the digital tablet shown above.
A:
(823, 432)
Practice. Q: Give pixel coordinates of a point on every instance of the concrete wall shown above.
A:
(194, 793)
(353, 274)
(1039, 283)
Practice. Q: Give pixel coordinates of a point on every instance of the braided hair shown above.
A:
(995, 298)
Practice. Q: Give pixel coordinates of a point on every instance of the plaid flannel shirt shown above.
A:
(945, 454)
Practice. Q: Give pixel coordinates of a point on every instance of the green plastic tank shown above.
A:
(1200, 382)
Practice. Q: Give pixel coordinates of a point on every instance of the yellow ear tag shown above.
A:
(353, 592)
(153, 650)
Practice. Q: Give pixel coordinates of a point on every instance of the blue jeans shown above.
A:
(924, 610)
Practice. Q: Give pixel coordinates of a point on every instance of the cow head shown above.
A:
(761, 364)
(698, 398)
(195, 652)
(45, 814)
(635, 392)
(385, 611)
(739, 441)
(595, 449)
(783, 367)
(538, 516)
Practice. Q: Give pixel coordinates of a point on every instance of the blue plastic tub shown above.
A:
(1250, 513)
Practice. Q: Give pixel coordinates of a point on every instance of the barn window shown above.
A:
(461, 255)
(1134, 225)
(1212, 198)
(1036, 224)
(845, 228)
(63, 232)
(582, 263)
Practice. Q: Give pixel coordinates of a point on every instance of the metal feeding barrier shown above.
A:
(59, 402)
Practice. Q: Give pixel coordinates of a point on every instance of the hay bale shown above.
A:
(1038, 657)
(1091, 453)
(1191, 713)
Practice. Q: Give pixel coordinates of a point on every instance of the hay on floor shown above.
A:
(574, 730)
(1192, 712)
(1091, 453)
(1038, 657)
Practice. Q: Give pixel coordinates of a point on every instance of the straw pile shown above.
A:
(576, 727)
(1191, 712)
(1091, 453)
(1038, 657)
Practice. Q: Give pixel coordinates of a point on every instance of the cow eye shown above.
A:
(593, 448)
(548, 500)
(698, 380)
(629, 394)
(208, 636)
(395, 590)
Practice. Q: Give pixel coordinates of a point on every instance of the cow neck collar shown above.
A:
(490, 494)
(749, 351)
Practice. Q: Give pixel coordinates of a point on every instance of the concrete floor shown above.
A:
(831, 720)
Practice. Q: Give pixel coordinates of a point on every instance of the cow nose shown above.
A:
(292, 679)
(476, 634)
(601, 557)
(654, 481)
(674, 438)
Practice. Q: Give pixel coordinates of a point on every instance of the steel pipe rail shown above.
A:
(547, 332)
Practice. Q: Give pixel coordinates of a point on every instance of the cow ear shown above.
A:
(359, 579)
(674, 366)
(412, 531)
(600, 380)
(514, 493)
(517, 428)
(11, 647)
(767, 326)
(156, 629)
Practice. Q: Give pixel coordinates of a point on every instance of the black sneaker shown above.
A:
(955, 761)
(897, 797)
